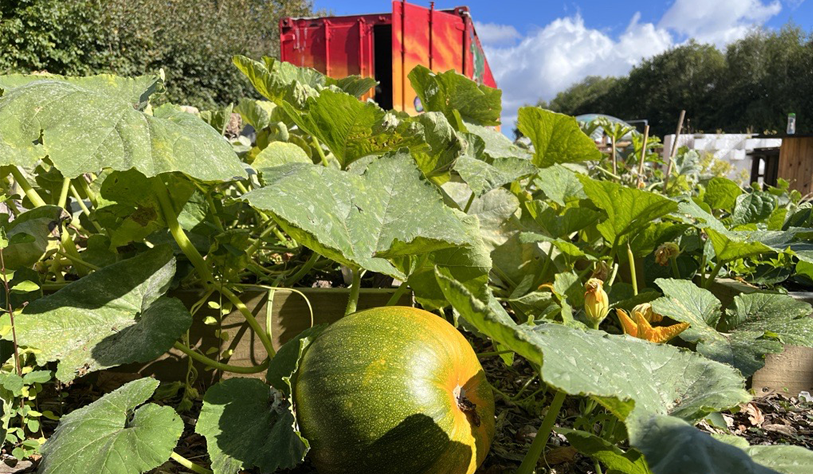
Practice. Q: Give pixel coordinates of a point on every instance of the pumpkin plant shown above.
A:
(114, 202)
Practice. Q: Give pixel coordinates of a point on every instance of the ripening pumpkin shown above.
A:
(394, 390)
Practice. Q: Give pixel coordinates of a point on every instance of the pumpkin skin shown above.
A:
(378, 393)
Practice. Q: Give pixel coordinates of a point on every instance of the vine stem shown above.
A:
(85, 209)
(30, 192)
(220, 365)
(189, 464)
(352, 301)
(78, 261)
(294, 279)
(713, 275)
(63, 194)
(252, 249)
(396, 297)
(10, 315)
(319, 150)
(202, 267)
(633, 276)
(675, 269)
(541, 439)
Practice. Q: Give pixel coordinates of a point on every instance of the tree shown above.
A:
(583, 97)
(192, 40)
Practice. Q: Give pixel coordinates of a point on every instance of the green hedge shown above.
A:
(192, 40)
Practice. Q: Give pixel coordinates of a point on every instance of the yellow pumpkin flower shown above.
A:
(639, 327)
(666, 252)
(596, 302)
(646, 310)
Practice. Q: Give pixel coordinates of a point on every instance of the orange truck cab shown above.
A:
(386, 46)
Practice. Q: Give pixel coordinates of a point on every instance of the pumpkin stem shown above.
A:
(468, 407)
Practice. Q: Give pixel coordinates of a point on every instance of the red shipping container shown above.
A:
(386, 46)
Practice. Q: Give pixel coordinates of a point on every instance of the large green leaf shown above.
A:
(483, 176)
(656, 389)
(560, 185)
(84, 130)
(280, 153)
(351, 128)
(557, 138)
(280, 81)
(129, 209)
(628, 209)
(672, 446)
(785, 459)
(134, 90)
(113, 436)
(445, 145)
(755, 325)
(616, 460)
(450, 91)
(249, 424)
(571, 219)
(361, 220)
(494, 143)
(754, 207)
(31, 235)
(721, 193)
(114, 316)
(729, 246)
(690, 209)
(257, 113)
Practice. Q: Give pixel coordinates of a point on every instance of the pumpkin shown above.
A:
(394, 390)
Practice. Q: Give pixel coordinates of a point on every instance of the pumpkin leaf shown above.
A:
(571, 219)
(352, 129)
(755, 325)
(114, 316)
(484, 176)
(494, 144)
(445, 145)
(256, 113)
(285, 363)
(729, 246)
(361, 220)
(83, 130)
(450, 91)
(31, 235)
(249, 424)
(560, 185)
(557, 138)
(628, 209)
(754, 207)
(721, 193)
(280, 153)
(673, 446)
(113, 435)
(616, 460)
(784, 459)
(135, 90)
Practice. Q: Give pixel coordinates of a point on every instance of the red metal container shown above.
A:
(386, 46)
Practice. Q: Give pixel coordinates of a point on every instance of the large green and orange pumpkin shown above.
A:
(394, 390)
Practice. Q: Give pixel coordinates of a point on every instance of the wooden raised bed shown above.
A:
(288, 314)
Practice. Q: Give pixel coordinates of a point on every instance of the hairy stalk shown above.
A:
(319, 150)
(714, 273)
(468, 203)
(10, 311)
(189, 464)
(213, 211)
(675, 269)
(202, 267)
(219, 365)
(83, 184)
(78, 261)
(30, 192)
(528, 465)
(303, 270)
(252, 249)
(353, 299)
(396, 297)
(63, 194)
(633, 276)
(85, 209)
(71, 251)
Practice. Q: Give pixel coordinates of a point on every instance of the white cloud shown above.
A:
(496, 34)
(564, 52)
(717, 21)
(550, 59)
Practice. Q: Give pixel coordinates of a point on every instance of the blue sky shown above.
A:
(538, 48)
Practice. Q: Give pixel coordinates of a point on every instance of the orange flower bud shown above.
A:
(596, 302)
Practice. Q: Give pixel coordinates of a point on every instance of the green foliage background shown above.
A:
(752, 86)
(193, 40)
